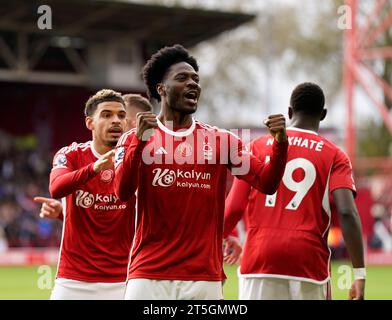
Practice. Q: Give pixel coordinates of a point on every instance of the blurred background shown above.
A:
(55, 53)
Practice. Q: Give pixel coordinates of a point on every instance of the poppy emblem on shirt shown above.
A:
(207, 151)
(107, 175)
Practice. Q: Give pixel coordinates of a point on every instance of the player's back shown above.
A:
(287, 231)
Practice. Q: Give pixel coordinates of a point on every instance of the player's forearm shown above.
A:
(266, 177)
(127, 173)
(62, 182)
(231, 219)
(352, 234)
(235, 205)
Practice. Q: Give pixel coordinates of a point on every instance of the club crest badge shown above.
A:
(107, 175)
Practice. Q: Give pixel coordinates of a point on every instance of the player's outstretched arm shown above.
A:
(51, 208)
(352, 234)
(129, 155)
(266, 177)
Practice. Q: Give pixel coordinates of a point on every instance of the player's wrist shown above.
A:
(94, 168)
(359, 273)
(281, 138)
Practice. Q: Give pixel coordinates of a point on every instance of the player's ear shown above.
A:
(89, 123)
(161, 89)
(323, 114)
(290, 112)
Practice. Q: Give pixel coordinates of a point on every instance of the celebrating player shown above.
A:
(179, 166)
(51, 208)
(134, 103)
(98, 227)
(286, 255)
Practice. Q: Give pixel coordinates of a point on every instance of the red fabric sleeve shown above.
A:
(128, 159)
(236, 203)
(64, 181)
(265, 177)
(341, 173)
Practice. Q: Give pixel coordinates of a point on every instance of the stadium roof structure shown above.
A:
(88, 37)
(105, 19)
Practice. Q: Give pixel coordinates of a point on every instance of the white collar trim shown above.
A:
(95, 152)
(303, 130)
(184, 133)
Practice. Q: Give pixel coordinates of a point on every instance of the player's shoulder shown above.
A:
(331, 145)
(126, 137)
(216, 130)
(265, 140)
(71, 153)
(75, 147)
(337, 152)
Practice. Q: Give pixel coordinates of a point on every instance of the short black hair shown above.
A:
(103, 95)
(155, 69)
(307, 98)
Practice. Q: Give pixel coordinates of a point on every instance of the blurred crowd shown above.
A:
(24, 173)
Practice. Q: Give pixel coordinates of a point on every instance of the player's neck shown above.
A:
(176, 118)
(100, 147)
(305, 124)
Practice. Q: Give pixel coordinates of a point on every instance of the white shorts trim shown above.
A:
(150, 289)
(280, 276)
(68, 289)
(281, 289)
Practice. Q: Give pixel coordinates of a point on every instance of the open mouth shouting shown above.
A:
(191, 96)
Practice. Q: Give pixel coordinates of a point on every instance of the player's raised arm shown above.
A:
(129, 154)
(266, 177)
(64, 180)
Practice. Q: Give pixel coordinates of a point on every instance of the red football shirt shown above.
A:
(287, 232)
(98, 228)
(181, 181)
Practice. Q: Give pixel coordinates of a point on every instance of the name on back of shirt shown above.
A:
(302, 143)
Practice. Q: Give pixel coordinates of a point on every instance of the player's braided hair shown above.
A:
(103, 95)
(308, 98)
(155, 69)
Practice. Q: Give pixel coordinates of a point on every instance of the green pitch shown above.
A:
(25, 282)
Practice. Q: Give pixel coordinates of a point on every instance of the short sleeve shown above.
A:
(341, 173)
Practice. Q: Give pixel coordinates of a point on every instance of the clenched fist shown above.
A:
(145, 123)
(276, 124)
